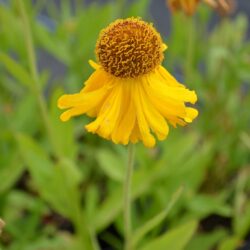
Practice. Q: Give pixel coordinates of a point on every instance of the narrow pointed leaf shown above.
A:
(175, 239)
(151, 224)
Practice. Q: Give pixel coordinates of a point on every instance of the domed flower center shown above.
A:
(129, 48)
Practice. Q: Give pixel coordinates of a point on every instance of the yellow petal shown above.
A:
(191, 114)
(172, 92)
(97, 80)
(166, 106)
(167, 78)
(155, 120)
(81, 99)
(65, 116)
(94, 65)
(123, 129)
(108, 114)
(170, 101)
(147, 138)
(135, 134)
(164, 47)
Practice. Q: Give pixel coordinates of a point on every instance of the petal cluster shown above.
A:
(131, 109)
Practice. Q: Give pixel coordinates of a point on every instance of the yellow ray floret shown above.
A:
(130, 110)
(131, 104)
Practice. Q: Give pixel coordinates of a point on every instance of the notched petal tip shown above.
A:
(194, 97)
(64, 117)
(191, 114)
(148, 141)
(62, 102)
(92, 127)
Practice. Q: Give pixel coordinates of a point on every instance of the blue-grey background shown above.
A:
(158, 12)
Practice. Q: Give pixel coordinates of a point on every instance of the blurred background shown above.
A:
(61, 188)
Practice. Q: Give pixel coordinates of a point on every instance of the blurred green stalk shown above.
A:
(127, 198)
(84, 238)
(34, 74)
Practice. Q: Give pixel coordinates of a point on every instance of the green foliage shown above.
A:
(62, 188)
(175, 239)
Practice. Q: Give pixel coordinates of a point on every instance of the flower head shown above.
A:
(130, 94)
(187, 6)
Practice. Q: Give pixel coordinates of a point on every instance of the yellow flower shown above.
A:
(130, 93)
(187, 6)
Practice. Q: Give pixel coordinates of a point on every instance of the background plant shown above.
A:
(61, 188)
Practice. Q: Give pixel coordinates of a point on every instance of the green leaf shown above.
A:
(10, 173)
(208, 241)
(51, 43)
(242, 220)
(63, 132)
(56, 182)
(151, 224)
(204, 205)
(62, 241)
(11, 167)
(112, 165)
(110, 208)
(175, 239)
(27, 119)
(23, 228)
(231, 243)
(16, 70)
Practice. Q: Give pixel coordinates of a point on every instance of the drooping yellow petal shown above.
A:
(167, 78)
(170, 101)
(124, 127)
(173, 89)
(112, 115)
(97, 80)
(80, 103)
(81, 99)
(166, 106)
(135, 134)
(146, 136)
(155, 120)
(191, 114)
(108, 115)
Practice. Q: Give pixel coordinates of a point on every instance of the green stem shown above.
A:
(127, 199)
(34, 73)
(36, 88)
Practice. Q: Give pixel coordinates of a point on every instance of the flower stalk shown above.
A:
(127, 198)
(36, 87)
